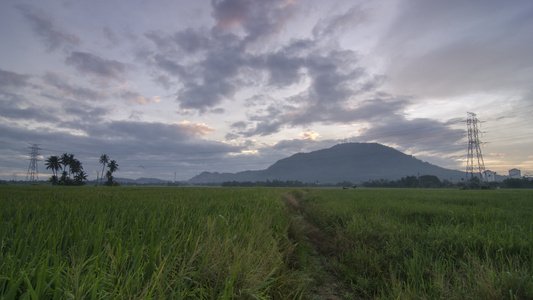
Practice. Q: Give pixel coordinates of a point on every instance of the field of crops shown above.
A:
(264, 243)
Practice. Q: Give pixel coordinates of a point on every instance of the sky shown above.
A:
(170, 89)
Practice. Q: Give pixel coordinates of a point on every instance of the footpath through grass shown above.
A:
(434, 244)
(264, 243)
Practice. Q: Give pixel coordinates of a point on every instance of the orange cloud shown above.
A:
(193, 128)
(310, 135)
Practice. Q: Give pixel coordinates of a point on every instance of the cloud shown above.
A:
(332, 25)
(68, 90)
(12, 79)
(15, 110)
(161, 148)
(47, 30)
(192, 128)
(155, 132)
(87, 63)
(451, 48)
(310, 135)
(110, 36)
(191, 40)
(416, 135)
(137, 97)
(257, 18)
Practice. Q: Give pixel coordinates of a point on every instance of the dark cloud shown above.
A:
(68, 90)
(284, 70)
(191, 40)
(84, 115)
(257, 18)
(14, 108)
(139, 148)
(209, 78)
(12, 79)
(87, 63)
(171, 67)
(417, 135)
(110, 35)
(47, 30)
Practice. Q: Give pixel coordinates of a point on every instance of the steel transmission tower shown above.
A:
(474, 159)
(33, 170)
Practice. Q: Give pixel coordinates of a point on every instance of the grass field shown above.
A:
(264, 243)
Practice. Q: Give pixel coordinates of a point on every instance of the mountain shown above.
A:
(141, 181)
(354, 162)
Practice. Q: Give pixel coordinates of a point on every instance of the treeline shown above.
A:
(268, 183)
(424, 181)
(518, 183)
(431, 181)
(72, 170)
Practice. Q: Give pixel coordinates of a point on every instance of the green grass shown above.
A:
(142, 243)
(412, 244)
(251, 243)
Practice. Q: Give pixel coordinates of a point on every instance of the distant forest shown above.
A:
(424, 181)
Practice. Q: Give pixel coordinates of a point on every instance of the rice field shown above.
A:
(264, 243)
(424, 243)
(143, 243)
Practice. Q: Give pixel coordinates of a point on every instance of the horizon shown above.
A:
(179, 88)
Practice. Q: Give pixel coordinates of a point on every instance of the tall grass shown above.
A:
(223, 243)
(412, 244)
(143, 243)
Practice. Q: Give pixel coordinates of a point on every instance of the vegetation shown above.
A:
(112, 167)
(142, 243)
(268, 183)
(74, 166)
(518, 183)
(264, 243)
(425, 244)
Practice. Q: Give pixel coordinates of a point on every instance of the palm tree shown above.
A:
(75, 166)
(104, 159)
(113, 166)
(80, 177)
(53, 162)
(66, 159)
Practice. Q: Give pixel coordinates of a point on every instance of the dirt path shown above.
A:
(329, 287)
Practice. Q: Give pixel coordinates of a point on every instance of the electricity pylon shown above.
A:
(33, 170)
(474, 158)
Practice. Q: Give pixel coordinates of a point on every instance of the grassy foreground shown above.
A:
(264, 243)
(435, 244)
(141, 243)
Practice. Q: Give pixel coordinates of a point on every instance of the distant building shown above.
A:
(515, 173)
(489, 176)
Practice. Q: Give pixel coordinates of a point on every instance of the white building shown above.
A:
(489, 176)
(515, 173)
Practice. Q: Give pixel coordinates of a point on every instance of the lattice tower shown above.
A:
(33, 170)
(474, 160)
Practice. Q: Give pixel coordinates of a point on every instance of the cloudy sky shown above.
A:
(180, 87)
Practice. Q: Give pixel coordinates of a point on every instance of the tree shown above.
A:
(66, 159)
(112, 166)
(54, 163)
(80, 177)
(104, 159)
